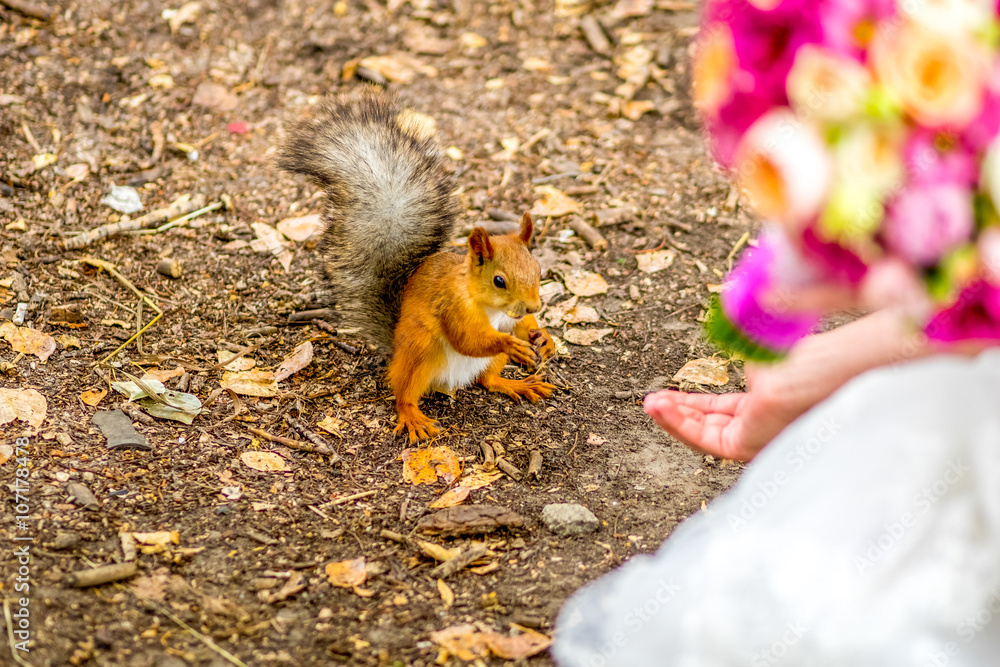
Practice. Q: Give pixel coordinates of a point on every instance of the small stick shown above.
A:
(498, 450)
(156, 127)
(110, 268)
(304, 316)
(394, 536)
(10, 635)
(535, 464)
(347, 499)
(128, 546)
(322, 446)
(325, 326)
(243, 351)
(489, 460)
(294, 444)
(30, 137)
(593, 237)
(184, 218)
(595, 36)
(30, 9)
(180, 206)
(508, 468)
(101, 575)
(450, 567)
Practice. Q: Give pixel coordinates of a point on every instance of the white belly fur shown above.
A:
(460, 370)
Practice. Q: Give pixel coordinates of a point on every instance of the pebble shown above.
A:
(567, 519)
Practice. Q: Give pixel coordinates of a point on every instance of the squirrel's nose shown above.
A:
(533, 308)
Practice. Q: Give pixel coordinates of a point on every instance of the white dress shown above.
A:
(865, 535)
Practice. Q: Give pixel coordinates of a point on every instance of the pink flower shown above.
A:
(975, 315)
(758, 279)
(926, 221)
(932, 157)
(849, 25)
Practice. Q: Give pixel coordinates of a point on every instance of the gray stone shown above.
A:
(567, 519)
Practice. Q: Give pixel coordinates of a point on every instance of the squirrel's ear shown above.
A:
(480, 246)
(526, 228)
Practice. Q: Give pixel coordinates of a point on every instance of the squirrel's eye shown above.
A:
(499, 282)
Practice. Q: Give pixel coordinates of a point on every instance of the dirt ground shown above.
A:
(114, 93)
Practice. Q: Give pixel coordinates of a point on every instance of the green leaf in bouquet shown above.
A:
(725, 335)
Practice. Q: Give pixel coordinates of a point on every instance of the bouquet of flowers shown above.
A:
(865, 133)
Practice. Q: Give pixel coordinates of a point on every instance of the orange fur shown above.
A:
(445, 326)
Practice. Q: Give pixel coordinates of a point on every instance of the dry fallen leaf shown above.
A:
(585, 283)
(462, 641)
(271, 240)
(399, 68)
(347, 573)
(216, 98)
(264, 461)
(28, 341)
(479, 478)
(579, 314)
(25, 404)
(152, 543)
(93, 397)
(302, 228)
(552, 316)
(427, 464)
(634, 109)
(517, 647)
(710, 372)
(7, 451)
(78, 172)
(455, 496)
(447, 595)
(186, 14)
(331, 424)
(628, 8)
(651, 262)
(164, 374)
(295, 362)
(68, 342)
(585, 336)
(255, 382)
(244, 363)
(553, 203)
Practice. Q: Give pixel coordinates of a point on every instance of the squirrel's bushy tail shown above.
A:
(389, 202)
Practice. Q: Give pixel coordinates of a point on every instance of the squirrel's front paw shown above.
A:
(520, 351)
(415, 423)
(543, 342)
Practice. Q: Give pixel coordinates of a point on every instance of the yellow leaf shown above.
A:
(585, 336)
(295, 362)
(163, 374)
(244, 363)
(92, 397)
(479, 478)
(7, 451)
(347, 573)
(302, 228)
(331, 424)
(585, 283)
(553, 203)
(651, 262)
(264, 461)
(428, 464)
(446, 593)
(517, 647)
(455, 496)
(436, 551)
(462, 641)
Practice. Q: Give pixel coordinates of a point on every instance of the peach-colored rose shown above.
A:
(714, 62)
(954, 16)
(826, 85)
(938, 75)
(784, 168)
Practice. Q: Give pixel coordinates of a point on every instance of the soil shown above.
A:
(90, 87)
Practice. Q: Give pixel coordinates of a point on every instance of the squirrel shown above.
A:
(450, 320)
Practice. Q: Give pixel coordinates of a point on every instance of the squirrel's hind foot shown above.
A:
(418, 425)
(532, 387)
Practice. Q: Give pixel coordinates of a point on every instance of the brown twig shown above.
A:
(101, 575)
(585, 231)
(243, 351)
(326, 327)
(535, 464)
(513, 472)
(31, 9)
(450, 567)
(322, 446)
(180, 206)
(353, 496)
(281, 440)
